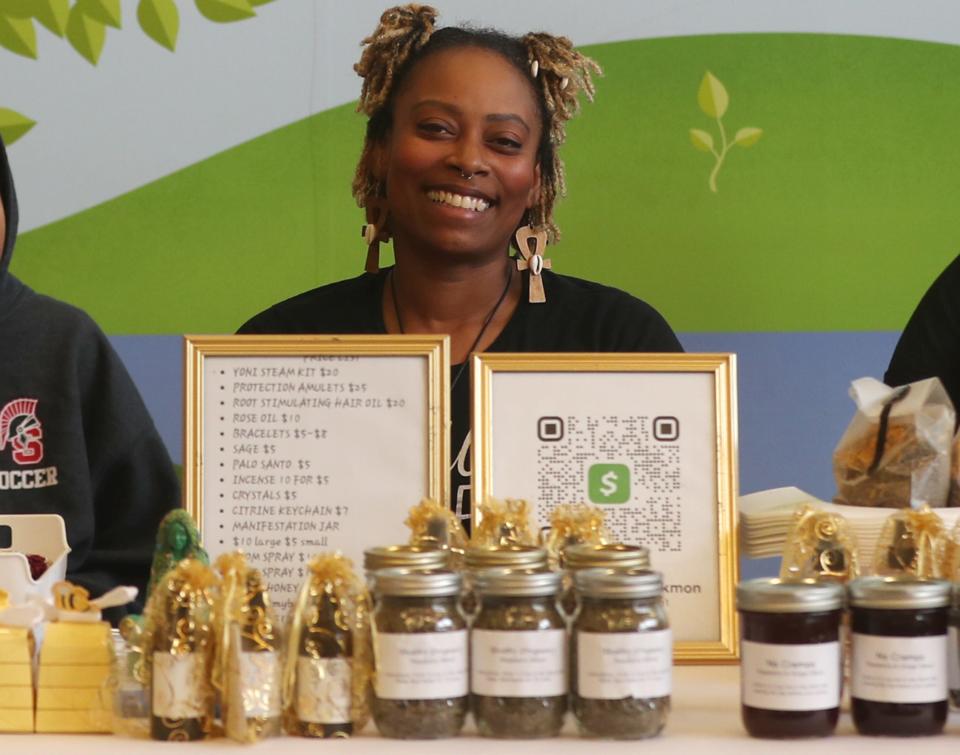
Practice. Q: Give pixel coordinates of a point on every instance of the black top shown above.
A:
(930, 344)
(75, 437)
(577, 316)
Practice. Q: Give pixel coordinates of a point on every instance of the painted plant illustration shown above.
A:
(713, 100)
(84, 23)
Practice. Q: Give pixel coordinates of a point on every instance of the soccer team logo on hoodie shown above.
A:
(21, 429)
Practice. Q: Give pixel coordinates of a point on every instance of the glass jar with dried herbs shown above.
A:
(483, 557)
(518, 676)
(420, 686)
(618, 556)
(621, 654)
(413, 557)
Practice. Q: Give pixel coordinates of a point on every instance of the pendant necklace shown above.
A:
(483, 328)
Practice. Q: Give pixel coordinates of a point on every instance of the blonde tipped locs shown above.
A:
(557, 73)
(562, 73)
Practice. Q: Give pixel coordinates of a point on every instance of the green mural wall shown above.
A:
(836, 219)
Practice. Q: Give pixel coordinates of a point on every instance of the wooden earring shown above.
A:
(533, 244)
(373, 232)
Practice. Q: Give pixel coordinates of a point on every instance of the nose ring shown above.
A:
(465, 176)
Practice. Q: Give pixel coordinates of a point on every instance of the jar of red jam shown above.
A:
(899, 671)
(790, 657)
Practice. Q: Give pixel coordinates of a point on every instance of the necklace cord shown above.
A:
(483, 328)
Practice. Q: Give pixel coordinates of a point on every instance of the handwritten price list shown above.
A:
(304, 454)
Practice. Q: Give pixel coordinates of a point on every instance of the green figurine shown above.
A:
(177, 538)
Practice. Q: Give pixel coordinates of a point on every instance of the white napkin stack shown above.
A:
(766, 518)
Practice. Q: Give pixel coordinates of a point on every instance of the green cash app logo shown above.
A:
(608, 483)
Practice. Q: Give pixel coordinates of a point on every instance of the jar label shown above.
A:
(178, 686)
(423, 666)
(259, 683)
(519, 663)
(953, 658)
(790, 677)
(323, 690)
(612, 666)
(899, 669)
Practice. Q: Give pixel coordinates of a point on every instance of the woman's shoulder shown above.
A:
(346, 306)
(598, 317)
(585, 296)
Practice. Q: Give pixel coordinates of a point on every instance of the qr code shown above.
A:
(630, 466)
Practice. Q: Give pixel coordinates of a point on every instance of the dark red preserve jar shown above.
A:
(899, 670)
(790, 657)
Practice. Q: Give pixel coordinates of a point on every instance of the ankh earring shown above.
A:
(374, 231)
(532, 244)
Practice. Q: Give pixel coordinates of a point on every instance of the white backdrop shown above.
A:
(143, 112)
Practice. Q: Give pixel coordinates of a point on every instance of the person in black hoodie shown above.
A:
(75, 437)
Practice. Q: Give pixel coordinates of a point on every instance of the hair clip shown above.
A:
(535, 68)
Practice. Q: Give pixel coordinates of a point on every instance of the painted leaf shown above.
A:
(712, 97)
(13, 125)
(18, 35)
(107, 12)
(17, 8)
(85, 34)
(160, 20)
(747, 137)
(53, 14)
(701, 140)
(225, 11)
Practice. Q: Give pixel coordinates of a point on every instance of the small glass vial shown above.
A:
(621, 654)
(518, 674)
(899, 676)
(420, 685)
(790, 657)
(953, 647)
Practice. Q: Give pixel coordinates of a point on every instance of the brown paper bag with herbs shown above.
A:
(895, 453)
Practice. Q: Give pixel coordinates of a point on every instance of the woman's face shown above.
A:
(461, 111)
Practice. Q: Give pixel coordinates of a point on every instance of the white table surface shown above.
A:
(705, 719)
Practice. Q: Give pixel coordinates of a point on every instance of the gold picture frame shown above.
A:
(303, 433)
(698, 391)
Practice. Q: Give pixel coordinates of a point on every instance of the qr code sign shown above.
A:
(629, 466)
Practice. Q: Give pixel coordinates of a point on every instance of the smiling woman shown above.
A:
(459, 163)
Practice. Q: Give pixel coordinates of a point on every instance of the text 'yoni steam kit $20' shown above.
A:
(513, 626)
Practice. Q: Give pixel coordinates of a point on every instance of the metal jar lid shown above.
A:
(766, 595)
(610, 556)
(506, 557)
(618, 583)
(405, 557)
(417, 583)
(896, 593)
(517, 582)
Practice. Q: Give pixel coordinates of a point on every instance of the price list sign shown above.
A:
(297, 445)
